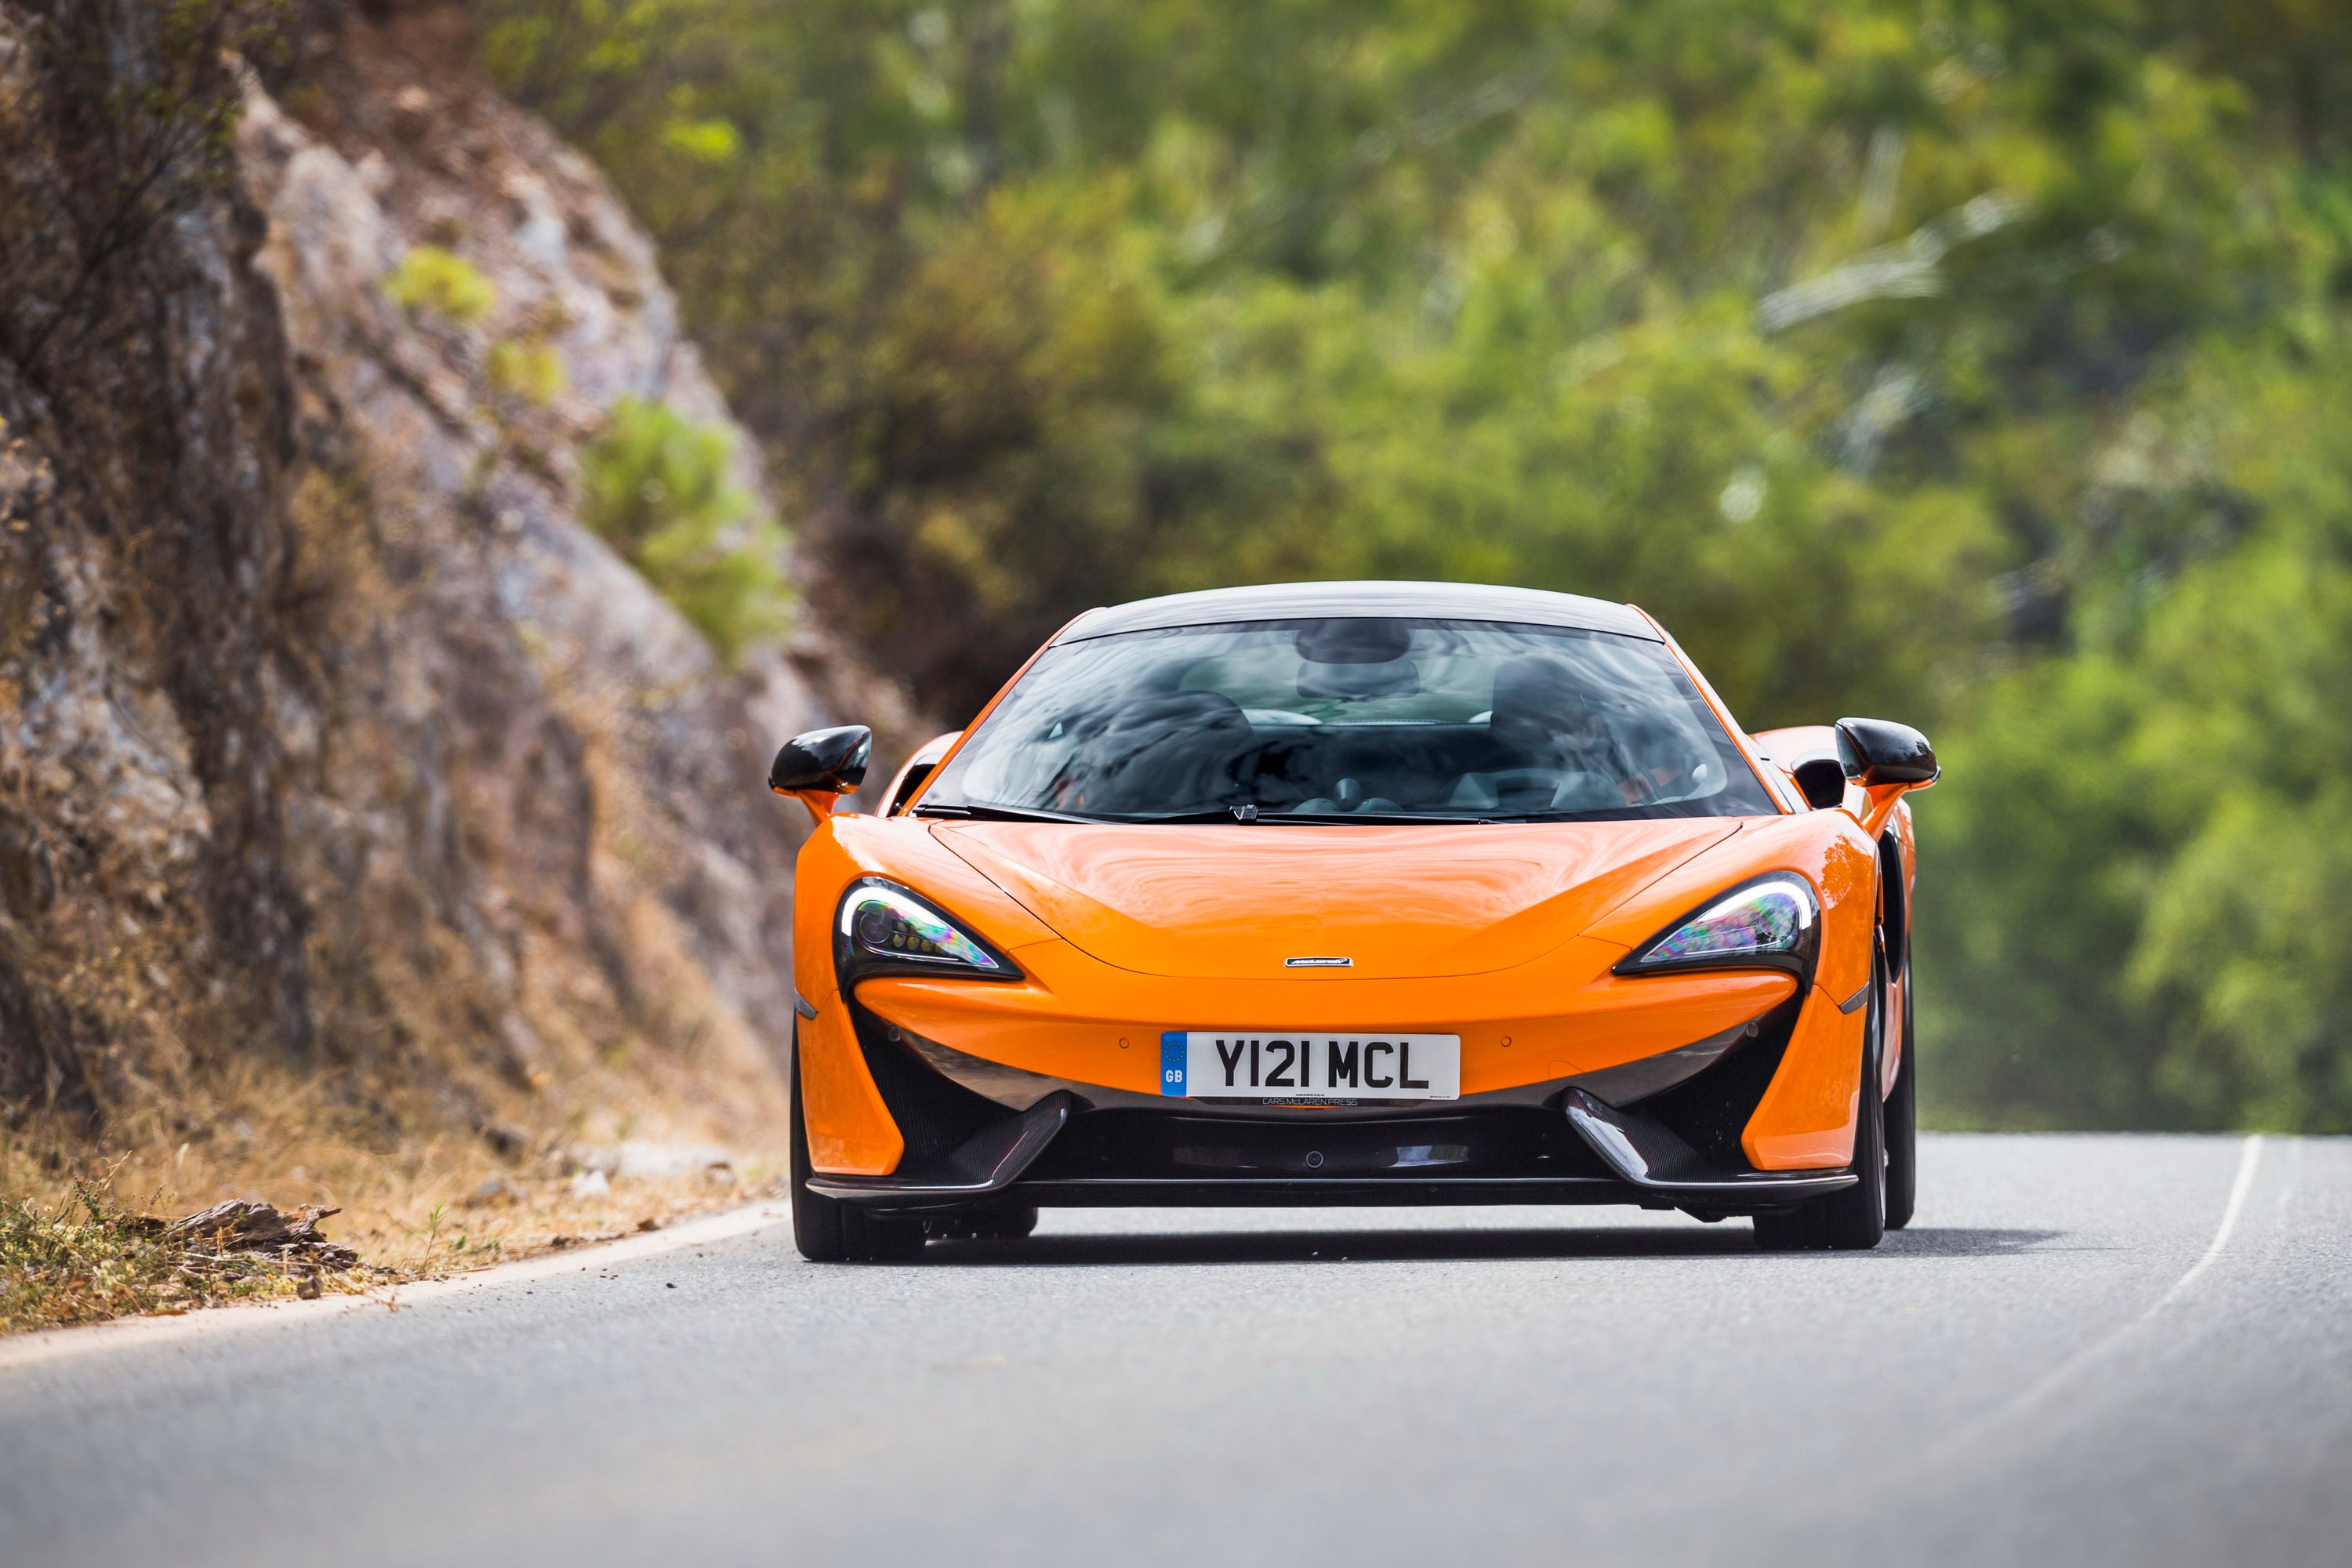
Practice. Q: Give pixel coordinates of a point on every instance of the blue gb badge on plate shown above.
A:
(1173, 1053)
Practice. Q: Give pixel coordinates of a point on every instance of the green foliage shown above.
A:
(432, 279)
(1976, 363)
(2143, 913)
(526, 368)
(660, 487)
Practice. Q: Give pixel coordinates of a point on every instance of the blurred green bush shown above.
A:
(433, 279)
(1975, 363)
(660, 487)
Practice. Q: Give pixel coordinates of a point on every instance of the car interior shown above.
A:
(1366, 718)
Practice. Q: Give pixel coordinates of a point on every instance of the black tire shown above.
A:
(1903, 1124)
(1853, 1220)
(817, 1227)
(829, 1232)
(1856, 1217)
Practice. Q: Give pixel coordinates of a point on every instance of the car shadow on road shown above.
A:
(1961, 1241)
(1730, 1239)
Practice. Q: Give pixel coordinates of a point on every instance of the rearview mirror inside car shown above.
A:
(1353, 682)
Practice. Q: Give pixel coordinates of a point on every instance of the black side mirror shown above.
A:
(1880, 752)
(823, 762)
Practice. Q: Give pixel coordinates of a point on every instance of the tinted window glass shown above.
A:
(1358, 717)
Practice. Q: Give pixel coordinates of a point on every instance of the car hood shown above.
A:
(1235, 902)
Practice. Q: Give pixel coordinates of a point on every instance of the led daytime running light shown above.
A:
(1773, 923)
(883, 926)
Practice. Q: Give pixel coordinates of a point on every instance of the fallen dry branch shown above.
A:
(250, 1226)
(88, 1260)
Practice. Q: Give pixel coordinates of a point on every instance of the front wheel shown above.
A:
(826, 1231)
(1854, 1219)
(1903, 1125)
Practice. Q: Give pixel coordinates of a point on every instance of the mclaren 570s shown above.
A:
(1356, 893)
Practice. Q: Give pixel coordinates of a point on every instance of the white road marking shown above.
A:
(2038, 1394)
(124, 1333)
(2230, 1211)
(2293, 1176)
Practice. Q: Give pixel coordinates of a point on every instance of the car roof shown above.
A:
(1324, 601)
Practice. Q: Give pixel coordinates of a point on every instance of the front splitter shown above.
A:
(1650, 1166)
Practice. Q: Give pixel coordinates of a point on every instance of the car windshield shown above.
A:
(1373, 718)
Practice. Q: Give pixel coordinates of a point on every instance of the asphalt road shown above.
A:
(2086, 1350)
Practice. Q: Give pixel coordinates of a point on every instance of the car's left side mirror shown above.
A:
(821, 766)
(1887, 760)
(1880, 752)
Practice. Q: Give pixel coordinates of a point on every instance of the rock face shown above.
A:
(329, 735)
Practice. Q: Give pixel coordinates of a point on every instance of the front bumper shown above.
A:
(980, 1132)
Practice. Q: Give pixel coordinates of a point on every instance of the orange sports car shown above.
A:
(1356, 893)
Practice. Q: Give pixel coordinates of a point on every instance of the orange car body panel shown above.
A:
(1213, 902)
(1806, 1119)
(850, 1130)
(1077, 1018)
(1895, 823)
(1503, 933)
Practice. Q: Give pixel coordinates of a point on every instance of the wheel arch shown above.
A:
(1895, 902)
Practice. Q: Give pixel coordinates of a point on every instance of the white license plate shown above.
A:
(1205, 1064)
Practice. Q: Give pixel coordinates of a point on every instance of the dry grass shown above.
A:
(89, 1258)
(443, 1150)
(418, 1197)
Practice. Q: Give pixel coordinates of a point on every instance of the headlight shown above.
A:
(1773, 922)
(885, 929)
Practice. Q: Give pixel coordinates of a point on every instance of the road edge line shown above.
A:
(46, 1346)
(1960, 1437)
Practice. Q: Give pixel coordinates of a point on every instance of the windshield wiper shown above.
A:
(1379, 818)
(1002, 813)
(1218, 814)
(983, 813)
(1250, 814)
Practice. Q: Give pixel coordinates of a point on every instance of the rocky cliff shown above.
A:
(332, 741)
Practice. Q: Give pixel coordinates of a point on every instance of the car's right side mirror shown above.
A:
(1887, 760)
